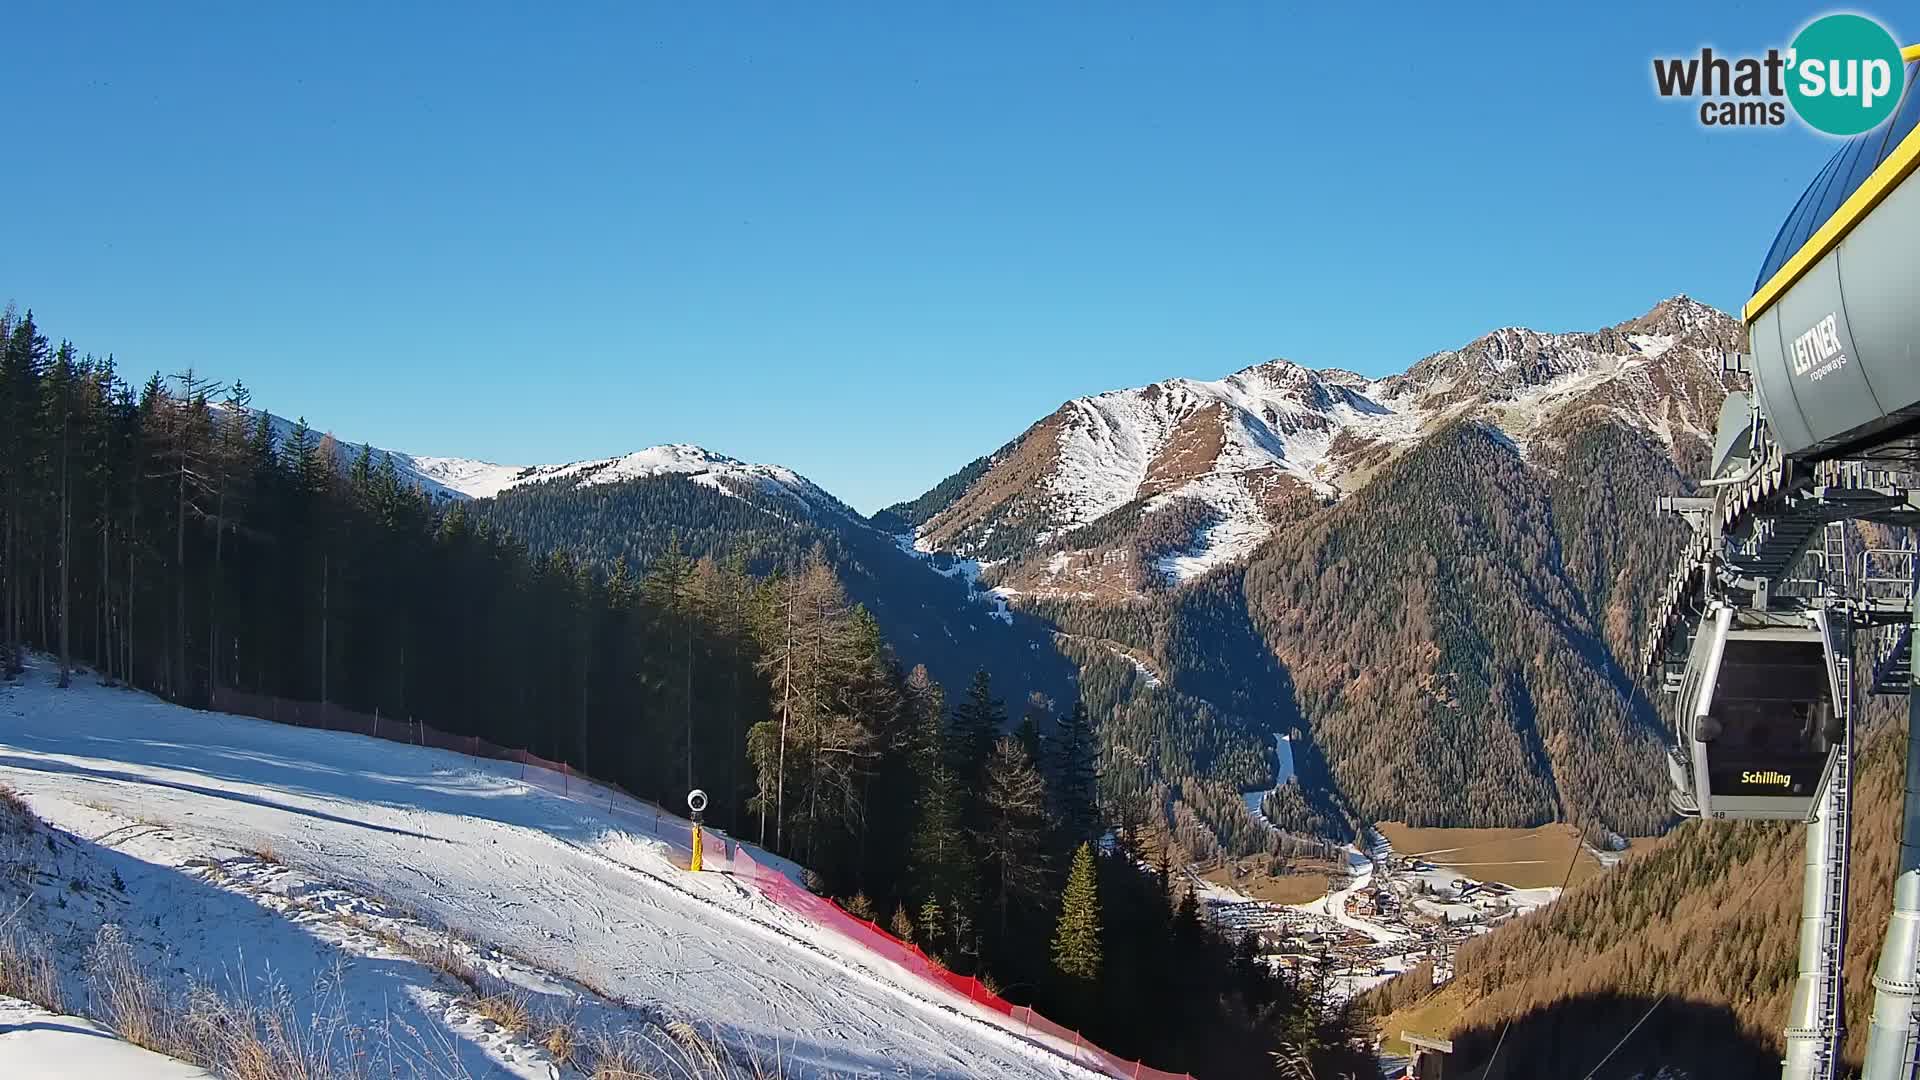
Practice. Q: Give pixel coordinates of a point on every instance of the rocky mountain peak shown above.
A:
(1236, 454)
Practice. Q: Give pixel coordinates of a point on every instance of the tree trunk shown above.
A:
(105, 628)
(179, 651)
(786, 714)
(326, 566)
(126, 626)
(11, 572)
(586, 676)
(686, 690)
(213, 589)
(66, 576)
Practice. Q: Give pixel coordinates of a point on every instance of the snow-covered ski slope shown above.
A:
(569, 892)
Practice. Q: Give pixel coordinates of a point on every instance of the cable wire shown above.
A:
(1624, 1038)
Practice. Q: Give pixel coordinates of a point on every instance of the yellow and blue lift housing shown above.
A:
(1755, 632)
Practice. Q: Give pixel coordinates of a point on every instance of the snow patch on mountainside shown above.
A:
(460, 476)
(1278, 416)
(1239, 530)
(967, 570)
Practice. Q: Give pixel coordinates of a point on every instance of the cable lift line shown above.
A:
(1755, 636)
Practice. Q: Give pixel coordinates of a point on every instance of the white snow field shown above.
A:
(38, 1043)
(243, 851)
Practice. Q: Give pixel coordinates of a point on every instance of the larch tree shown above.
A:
(1014, 806)
(807, 644)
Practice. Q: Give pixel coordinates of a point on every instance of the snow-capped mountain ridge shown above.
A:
(1250, 443)
(729, 475)
(458, 478)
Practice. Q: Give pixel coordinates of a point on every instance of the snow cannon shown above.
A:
(1833, 321)
(696, 802)
(1755, 723)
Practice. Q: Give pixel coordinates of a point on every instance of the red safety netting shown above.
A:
(721, 853)
(824, 912)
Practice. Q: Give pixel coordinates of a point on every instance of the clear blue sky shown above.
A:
(868, 241)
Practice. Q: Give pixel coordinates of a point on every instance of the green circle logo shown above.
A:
(1845, 74)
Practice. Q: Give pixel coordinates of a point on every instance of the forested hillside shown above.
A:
(1443, 648)
(165, 538)
(1706, 924)
(934, 619)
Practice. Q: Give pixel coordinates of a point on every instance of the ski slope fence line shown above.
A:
(558, 778)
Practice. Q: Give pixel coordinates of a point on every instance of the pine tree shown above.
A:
(1076, 937)
(1071, 777)
(940, 865)
(1027, 734)
(977, 724)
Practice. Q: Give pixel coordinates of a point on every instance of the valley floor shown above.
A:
(239, 850)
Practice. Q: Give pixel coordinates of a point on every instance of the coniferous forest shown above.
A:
(161, 534)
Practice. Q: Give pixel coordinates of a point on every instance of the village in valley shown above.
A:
(1388, 910)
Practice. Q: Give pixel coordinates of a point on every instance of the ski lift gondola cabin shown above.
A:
(1754, 720)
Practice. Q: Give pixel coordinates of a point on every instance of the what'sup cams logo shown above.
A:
(1842, 75)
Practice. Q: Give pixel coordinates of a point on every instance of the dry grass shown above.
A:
(1435, 1016)
(126, 1000)
(26, 970)
(253, 1031)
(1522, 858)
(1297, 887)
(678, 1051)
(562, 1040)
(443, 954)
(265, 853)
(509, 1010)
(14, 814)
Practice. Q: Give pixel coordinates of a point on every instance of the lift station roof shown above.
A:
(1833, 324)
(1844, 174)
